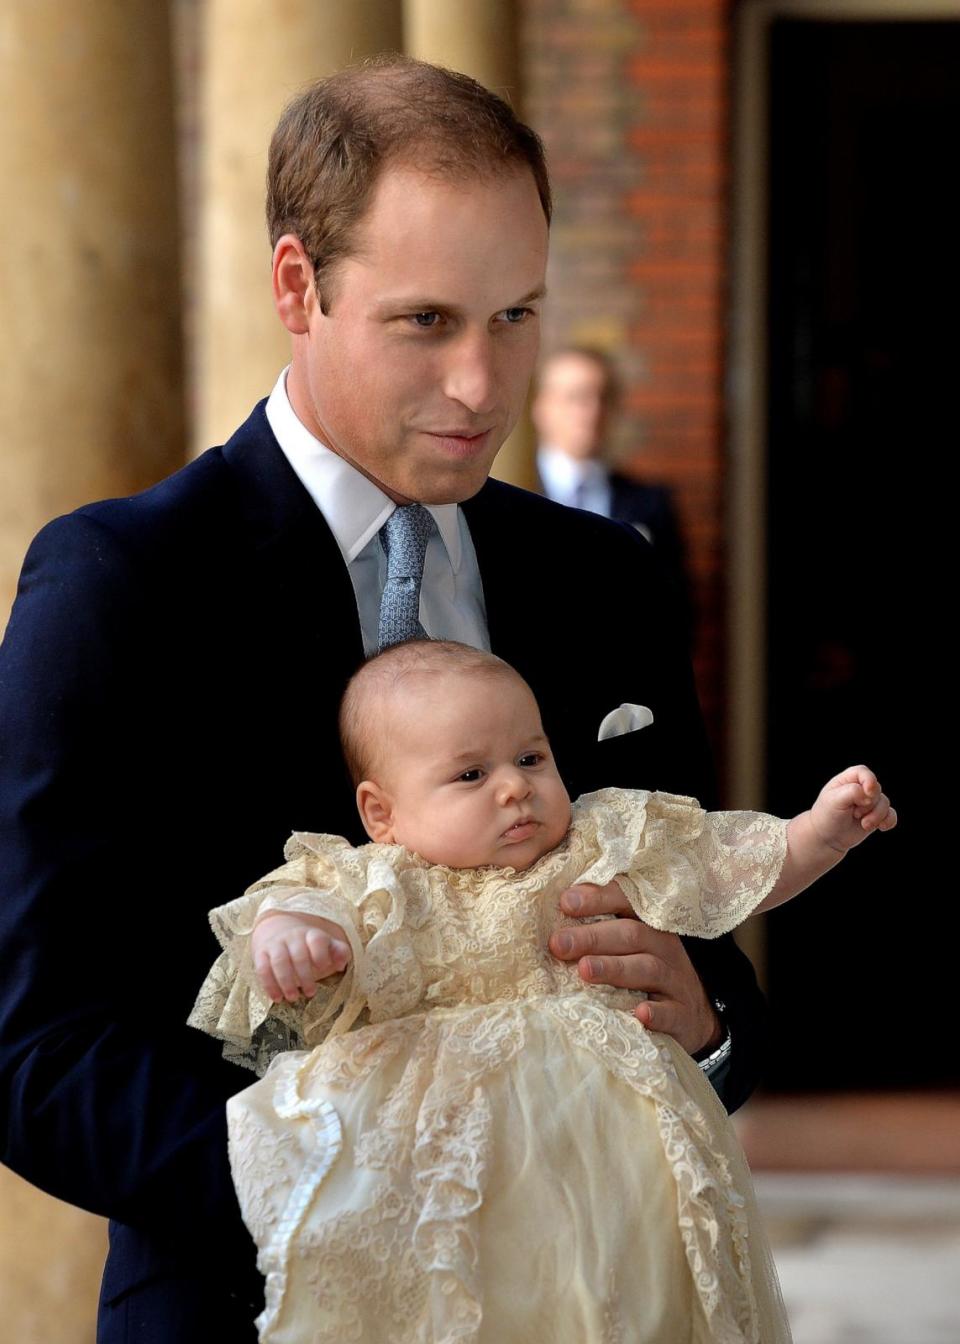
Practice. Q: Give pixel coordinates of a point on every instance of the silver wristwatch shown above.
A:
(722, 1052)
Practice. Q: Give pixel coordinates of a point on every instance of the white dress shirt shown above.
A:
(568, 480)
(451, 593)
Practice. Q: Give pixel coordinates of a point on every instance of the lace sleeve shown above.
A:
(682, 869)
(359, 889)
(703, 873)
(231, 1004)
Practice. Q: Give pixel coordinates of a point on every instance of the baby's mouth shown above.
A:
(521, 830)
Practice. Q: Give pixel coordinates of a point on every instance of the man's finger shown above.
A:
(587, 899)
(657, 1015)
(639, 972)
(670, 1018)
(612, 937)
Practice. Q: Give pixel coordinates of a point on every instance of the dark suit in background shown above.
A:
(649, 508)
(169, 685)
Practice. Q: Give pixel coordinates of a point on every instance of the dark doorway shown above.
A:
(863, 373)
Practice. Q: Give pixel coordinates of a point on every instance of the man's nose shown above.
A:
(513, 786)
(471, 376)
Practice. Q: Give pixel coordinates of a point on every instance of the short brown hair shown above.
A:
(596, 355)
(370, 687)
(334, 139)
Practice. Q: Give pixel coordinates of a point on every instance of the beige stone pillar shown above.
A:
(256, 57)
(91, 402)
(480, 38)
(51, 1259)
(90, 388)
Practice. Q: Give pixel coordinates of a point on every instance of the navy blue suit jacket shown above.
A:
(169, 684)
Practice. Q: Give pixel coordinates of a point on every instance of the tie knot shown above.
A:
(404, 537)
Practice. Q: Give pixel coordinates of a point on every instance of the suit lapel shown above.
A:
(299, 576)
(488, 526)
(523, 611)
(523, 547)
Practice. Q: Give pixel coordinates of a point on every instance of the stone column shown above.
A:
(91, 398)
(480, 38)
(91, 401)
(51, 1259)
(256, 58)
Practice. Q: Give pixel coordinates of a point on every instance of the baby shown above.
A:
(443, 1157)
(457, 769)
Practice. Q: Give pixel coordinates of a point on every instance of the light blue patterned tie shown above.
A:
(404, 537)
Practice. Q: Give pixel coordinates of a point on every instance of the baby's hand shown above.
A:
(849, 807)
(291, 952)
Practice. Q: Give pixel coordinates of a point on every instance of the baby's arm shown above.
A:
(848, 809)
(292, 951)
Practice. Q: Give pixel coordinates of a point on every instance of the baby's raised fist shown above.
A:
(850, 806)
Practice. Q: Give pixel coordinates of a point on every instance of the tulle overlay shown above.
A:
(461, 1140)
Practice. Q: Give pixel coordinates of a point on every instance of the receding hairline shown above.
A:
(394, 109)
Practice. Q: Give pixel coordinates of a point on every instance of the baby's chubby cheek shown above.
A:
(563, 816)
(554, 829)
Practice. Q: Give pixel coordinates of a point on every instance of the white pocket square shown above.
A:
(626, 719)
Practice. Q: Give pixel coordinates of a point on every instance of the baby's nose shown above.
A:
(514, 784)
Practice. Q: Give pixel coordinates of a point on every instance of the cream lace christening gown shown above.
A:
(460, 1140)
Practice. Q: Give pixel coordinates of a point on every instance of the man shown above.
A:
(171, 675)
(576, 398)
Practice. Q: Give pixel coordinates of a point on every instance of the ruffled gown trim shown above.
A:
(438, 1121)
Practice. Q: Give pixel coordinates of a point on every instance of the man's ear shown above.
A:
(294, 293)
(376, 812)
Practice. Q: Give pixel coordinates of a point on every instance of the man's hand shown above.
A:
(291, 952)
(628, 953)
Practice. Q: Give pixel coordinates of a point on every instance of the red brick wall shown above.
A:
(631, 98)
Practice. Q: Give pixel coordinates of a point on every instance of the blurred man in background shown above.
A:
(576, 401)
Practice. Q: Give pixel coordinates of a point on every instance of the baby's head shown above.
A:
(445, 746)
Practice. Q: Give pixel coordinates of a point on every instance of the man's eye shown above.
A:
(515, 315)
(529, 760)
(469, 776)
(426, 320)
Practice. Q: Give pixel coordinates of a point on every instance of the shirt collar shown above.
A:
(562, 474)
(354, 508)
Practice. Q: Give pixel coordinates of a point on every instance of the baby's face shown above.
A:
(469, 778)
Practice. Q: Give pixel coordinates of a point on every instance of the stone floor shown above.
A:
(866, 1259)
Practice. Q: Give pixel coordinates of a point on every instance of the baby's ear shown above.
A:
(376, 812)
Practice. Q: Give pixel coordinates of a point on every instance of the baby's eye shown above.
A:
(530, 759)
(470, 776)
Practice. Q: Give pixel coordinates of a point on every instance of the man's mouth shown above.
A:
(461, 442)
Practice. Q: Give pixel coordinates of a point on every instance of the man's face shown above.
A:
(572, 405)
(419, 369)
